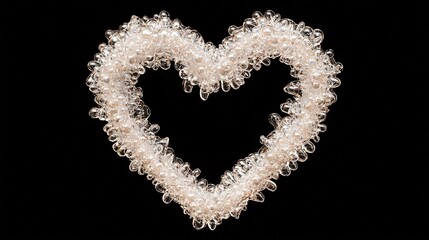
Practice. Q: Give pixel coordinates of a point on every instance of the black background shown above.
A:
(60, 179)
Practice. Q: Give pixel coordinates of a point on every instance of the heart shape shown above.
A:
(156, 42)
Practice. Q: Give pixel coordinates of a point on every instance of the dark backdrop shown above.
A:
(60, 179)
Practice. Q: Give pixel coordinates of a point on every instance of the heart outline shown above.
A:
(146, 43)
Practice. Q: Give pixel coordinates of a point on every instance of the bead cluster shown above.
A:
(160, 42)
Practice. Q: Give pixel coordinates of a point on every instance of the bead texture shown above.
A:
(160, 43)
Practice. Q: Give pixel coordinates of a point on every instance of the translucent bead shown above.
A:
(265, 141)
(164, 14)
(294, 156)
(258, 197)
(212, 225)
(262, 151)
(277, 17)
(105, 79)
(321, 116)
(141, 170)
(204, 94)
(285, 171)
(246, 74)
(232, 29)
(141, 111)
(317, 37)
(295, 72)
(102, 47)
(330, 98)
(235, 214)
(177, 24)
(90, 81)
(178, 66)
(159, 188)
(113, 137)
(334, 82)
(169, 158)
(293, 88)
(269, 14)
(271, 186)
(114, 38)
(266, 62)
(225, 86)
(154, 128)
(227, 41)
(228, 178)
(307, 31)
(285, 107)
(163, 143)
(215, 87)
(196, 172)
(187, 86)
(329, 53)
(155, 17)
(165, 64)
(300, 26)
(237, 82)
(109, 33)
(158, 149)
(316, 138)
(249, 24)
(93, 65)
(202, 183)
(166, 198)
(119, 149)
(321, 127)
(94, 112)
(198, 223)
(211, 188)
(134, 166)
(302, 155)
(309, 147)
(285, 60)
(134, 19)
(287, 23)
(275, 119)
(141, 70)
(256, 15)
(183, 74)
(339, 67)
(169, 150)
(257, 66)
(94, 89)
(177, 162)
(293, 165)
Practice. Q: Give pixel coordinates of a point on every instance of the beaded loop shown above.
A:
(159, 42)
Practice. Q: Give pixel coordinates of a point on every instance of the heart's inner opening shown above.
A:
(212, 135)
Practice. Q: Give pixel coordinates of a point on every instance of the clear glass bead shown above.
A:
(166, 198)
(198, 223)
(212, 225)
(309, 147)
(271, 186)
(258, 197)
(285, 171)
(293, 165)
(275, 119)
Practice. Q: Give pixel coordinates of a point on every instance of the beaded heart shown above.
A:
(158, 42)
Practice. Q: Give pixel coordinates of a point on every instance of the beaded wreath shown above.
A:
(158, 43)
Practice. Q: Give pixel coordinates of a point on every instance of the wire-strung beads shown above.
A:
(160, 43)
